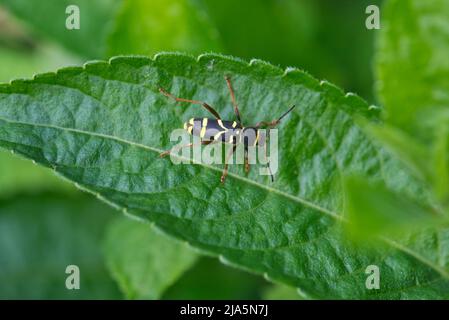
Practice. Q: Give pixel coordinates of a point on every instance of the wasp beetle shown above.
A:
(218, 130)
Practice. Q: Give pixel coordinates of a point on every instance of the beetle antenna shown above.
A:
(287, 112)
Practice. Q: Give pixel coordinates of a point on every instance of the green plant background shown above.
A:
(46, 223)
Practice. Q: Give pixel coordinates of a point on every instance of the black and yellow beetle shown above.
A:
(218, 130)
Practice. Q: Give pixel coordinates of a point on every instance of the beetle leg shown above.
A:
(246, 161)
(204, 104)
(225, 171)
(234, 103)
(273, 123)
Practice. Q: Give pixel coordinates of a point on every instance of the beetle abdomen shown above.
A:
(213, 129)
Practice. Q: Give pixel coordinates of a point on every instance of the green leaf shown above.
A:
(48, 18)
(412, 62)
(413, 155)
(412, 69)
(147, 27)
(18, 175)
(40, 235)
(144, 262)
(103, 126)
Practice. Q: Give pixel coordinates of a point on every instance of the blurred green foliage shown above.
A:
(211, 280)
(148, 27)
(47, 19)
(40, 235)
(326, 38)
(285, 32)
(22, 176)
(373, 210)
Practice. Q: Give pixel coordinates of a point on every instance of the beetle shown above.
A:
(218, 130)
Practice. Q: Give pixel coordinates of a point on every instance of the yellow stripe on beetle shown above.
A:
(190, 126)
(257, 138)
(218, 135)
(220, 123)
(203, 128)
(203, 132)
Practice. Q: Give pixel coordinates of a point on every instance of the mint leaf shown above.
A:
(144, 262)
(103, 126)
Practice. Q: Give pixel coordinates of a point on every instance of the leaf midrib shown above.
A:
(156, 150)
(297, 199)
